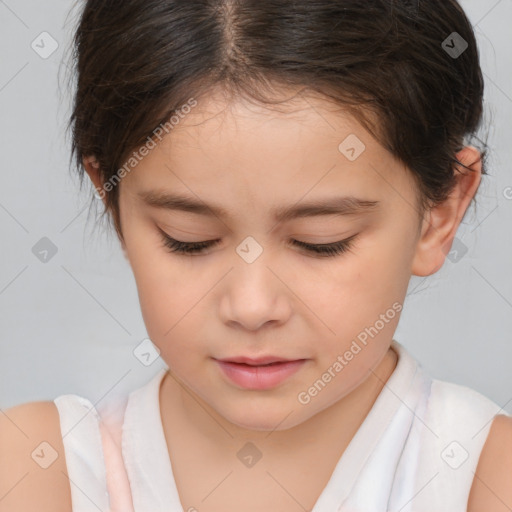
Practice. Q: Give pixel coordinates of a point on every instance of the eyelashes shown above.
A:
(333, 249)
(196, 248)
(187, 247)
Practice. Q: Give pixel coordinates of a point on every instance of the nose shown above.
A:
(255, 295)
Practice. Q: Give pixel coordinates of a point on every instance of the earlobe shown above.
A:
(426, 258)
(91, 164)
(442, 221)
(92, 167)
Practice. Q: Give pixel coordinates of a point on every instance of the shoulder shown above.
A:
(471, 402)
(33, 472)
(461, 411)
(492, 485)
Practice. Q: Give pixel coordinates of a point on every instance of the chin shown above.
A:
(263, 419)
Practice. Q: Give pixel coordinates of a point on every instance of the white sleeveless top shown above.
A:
(416, 450)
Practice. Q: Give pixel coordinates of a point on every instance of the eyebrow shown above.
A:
(344, 205)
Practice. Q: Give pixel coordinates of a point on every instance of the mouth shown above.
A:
(258, 375)
(257, 361)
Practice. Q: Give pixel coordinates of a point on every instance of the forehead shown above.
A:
(306, 145)
(302, 115)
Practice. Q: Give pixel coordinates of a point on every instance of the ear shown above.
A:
(440, 223)
(92, 167)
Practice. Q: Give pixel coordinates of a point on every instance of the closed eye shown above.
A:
(192, 248)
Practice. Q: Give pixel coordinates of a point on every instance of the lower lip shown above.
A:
(259, 377)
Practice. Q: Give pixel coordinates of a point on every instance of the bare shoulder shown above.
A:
(492, 485)
(33, 472)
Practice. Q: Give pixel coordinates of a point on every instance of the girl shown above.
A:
(275, 172)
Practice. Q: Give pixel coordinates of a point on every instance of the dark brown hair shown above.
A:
(138, 61)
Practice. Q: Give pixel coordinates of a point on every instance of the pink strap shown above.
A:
(118, 485)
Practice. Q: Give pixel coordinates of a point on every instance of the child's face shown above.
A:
(287, 302)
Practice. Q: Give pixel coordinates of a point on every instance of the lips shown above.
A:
(269, 373)
(259, 361)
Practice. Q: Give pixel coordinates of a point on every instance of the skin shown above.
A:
(288, 302)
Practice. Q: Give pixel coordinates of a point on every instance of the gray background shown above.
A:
(70, 325)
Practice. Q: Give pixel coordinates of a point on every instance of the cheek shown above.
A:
(170, 300)
(166, 292)
(359, 285)
(360, 299)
